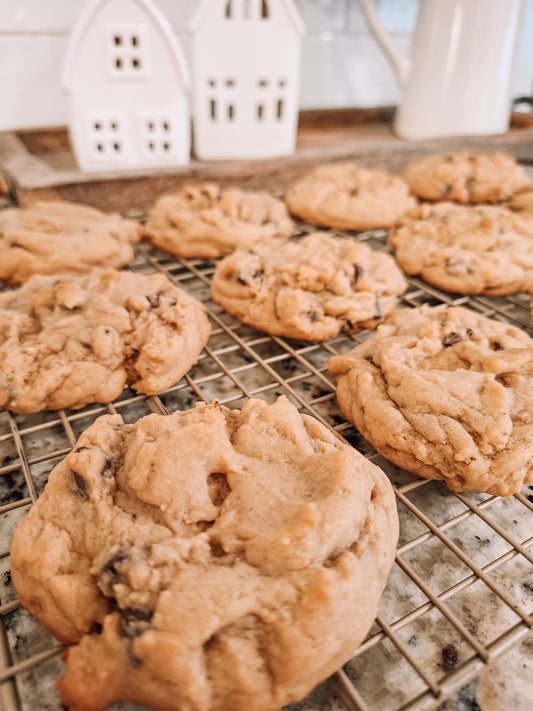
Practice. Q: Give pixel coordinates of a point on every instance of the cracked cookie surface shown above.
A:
(347, 197)
(466, 177)
(484, 249)
(209, 560)
(445, 395)
(62, 238)
(311, 288)
(69, 341)
(206, 220)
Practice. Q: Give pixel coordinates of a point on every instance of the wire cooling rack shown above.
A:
(460, 593)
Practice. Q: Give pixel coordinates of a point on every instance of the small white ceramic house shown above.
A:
(245, 64)
(127, 80)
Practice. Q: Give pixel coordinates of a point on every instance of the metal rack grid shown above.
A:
(460, 593)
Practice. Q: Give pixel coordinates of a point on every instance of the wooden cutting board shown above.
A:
(41, 165)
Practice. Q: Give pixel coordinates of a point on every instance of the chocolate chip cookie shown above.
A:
(466, 177)
(347, 197)
(484, 249)
(62, 238)
(310, 289)
(445, 394)
(206, 220)
(69, 341)
(209, 560)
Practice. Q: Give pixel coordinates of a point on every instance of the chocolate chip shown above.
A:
(450, 339)
(331, 561)
(216, 549)
(134, 622)
(357, 272)
(469, 332)
(504, 379)
(313, 316)
(153, 301)
(449, 657)
(495, 346)
(203, 525)
(81, 488)
(106, 468)
(246, 278)
(109, 575)
(349, 327)
(217, 488)
(354, 192)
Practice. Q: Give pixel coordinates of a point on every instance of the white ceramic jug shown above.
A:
(457, 80)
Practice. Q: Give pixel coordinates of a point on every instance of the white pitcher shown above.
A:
(457, 80)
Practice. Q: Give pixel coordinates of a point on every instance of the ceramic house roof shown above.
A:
(89, 15)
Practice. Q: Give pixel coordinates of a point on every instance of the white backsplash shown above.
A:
(342, 65)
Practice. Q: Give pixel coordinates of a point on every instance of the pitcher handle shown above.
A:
(400, 62)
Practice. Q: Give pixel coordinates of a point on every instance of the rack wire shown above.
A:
(460, 593)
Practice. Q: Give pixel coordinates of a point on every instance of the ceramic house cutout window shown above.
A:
(106, 135)
(157, 132)
(245, 60)
(127, 47)
(246, 8)
(127, 82)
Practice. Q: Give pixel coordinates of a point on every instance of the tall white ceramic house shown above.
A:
(245, 62)
(128, 81)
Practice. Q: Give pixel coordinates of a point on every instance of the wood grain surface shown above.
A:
(41, 165)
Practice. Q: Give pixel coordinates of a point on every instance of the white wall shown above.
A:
(341, 63)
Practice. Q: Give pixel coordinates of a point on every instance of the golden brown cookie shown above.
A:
(69, 341)
(311, 288)
(466, 177)
(445, 394)
(344, 196)
(205, 220)
(62, 238)
(209, 560)
(483, 249)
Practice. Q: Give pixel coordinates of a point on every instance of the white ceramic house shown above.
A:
(245, 62)
(127, 81)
